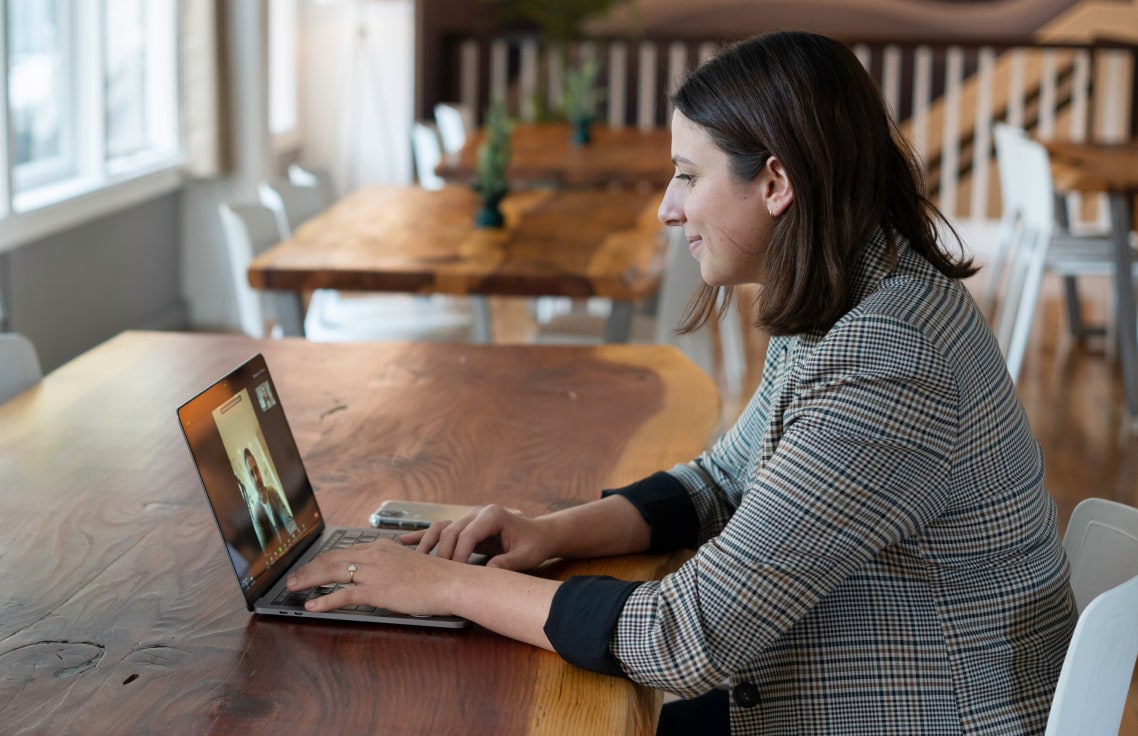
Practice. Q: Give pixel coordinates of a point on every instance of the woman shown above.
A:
(876, 550)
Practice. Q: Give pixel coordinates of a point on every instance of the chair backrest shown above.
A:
(1029, 214)
(428, 152)
(680, 281)
(1101, 542)
(313, 176)
(249, 230)
(455, 121)
(292, 203)
(1095, 680)
(1010, 207)
(19, 365)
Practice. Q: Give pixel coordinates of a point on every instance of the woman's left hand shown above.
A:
(384, 574)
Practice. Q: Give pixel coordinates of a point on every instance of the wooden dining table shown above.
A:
(121, 612)
(544, 154)
(574, 243)
(1111, 168)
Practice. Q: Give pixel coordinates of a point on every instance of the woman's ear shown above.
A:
(777, 191)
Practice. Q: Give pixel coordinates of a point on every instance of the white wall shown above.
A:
(357, 97)
(72, 290)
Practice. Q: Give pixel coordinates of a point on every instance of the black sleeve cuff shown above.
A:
(664, 503)
(582, 619)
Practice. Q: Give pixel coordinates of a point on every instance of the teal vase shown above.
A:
(490, 214)
(579, 133)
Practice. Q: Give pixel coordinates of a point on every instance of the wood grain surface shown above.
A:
(555, 243)
(1094, 167)
(120, 610)
(544, 155)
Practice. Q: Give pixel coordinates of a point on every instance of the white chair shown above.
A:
(1091, 693)
(1031, 244)
(292, 203)
(19, 365)
(680, 280)
(331, 316)
(428, 152)
(1017, 269)
(249, 230)
(312, 176)
(455, 121)
(1101, 542)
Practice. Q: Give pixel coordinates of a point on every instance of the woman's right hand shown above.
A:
(515, 542)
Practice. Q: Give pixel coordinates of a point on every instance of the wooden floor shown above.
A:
(1072, 393)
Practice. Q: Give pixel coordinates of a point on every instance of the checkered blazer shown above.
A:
(878, 552)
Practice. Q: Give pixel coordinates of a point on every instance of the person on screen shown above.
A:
(272, 516)
(875, 549)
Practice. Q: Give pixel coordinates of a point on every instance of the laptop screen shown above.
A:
(252, 473)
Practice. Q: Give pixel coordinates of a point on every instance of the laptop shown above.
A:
(262, 499)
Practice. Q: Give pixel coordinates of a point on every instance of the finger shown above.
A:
(448, 539)
(330, 567)
(318, 572)
(430, 536)
(512, 560)
(480, 529)
(336, 599)
(411, 537)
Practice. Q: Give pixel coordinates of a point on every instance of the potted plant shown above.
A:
(561, 21)
(493, 158)
(580, 98)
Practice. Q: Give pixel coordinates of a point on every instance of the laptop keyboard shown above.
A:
(339, 539)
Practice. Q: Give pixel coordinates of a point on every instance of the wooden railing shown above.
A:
(944, 96)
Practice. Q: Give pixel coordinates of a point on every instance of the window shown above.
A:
(38, 90)
(92, 96)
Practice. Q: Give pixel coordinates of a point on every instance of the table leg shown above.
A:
(290, 312)
(483, 325)
(1124, 306)
(618, 327)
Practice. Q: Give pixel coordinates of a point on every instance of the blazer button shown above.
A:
(746, 695)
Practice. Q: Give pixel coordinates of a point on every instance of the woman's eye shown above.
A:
(685, 177)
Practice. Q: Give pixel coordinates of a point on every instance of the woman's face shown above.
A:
(727, 222)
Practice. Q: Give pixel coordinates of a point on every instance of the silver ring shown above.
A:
(352, 573)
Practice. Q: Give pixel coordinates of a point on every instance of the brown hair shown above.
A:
(806, 100)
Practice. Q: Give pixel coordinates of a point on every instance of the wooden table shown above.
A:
(579, 243)
(1110, 168)
(543, 154)
(120, 610)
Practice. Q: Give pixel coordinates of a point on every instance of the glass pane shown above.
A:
(126, 81)
(36, 79)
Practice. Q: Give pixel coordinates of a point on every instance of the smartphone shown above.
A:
(412, 515)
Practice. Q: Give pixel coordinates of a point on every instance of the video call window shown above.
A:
(267, 516)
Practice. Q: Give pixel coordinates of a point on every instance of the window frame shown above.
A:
(40, 201)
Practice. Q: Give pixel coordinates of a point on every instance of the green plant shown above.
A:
(581, 95)
(494, 152)
(559, 20)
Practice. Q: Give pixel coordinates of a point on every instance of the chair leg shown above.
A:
(1020, 323)
(1075, 312)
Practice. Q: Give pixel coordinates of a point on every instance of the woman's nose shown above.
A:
(670, 212)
